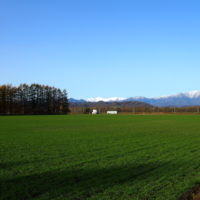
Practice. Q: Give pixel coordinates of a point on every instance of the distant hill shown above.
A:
(100, 104)
(191, 98)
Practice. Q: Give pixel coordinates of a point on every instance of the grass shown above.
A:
(99, 157)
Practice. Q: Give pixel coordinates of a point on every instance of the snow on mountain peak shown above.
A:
(190, 94)
(96, 99)
(191, 98)
(137, 97)
(193, 94)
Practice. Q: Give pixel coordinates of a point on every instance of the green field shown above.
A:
(99, 157)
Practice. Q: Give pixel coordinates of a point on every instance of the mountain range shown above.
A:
(109, 104)
(191, 98)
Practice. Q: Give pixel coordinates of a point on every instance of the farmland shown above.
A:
(137, 157)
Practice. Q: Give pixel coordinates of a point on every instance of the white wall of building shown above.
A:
(94, 111)
(112, 112)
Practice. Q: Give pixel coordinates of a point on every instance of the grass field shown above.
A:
(99, 157)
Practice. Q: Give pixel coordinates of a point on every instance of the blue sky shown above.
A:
(102, 47)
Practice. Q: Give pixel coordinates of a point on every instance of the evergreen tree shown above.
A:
(33, 99)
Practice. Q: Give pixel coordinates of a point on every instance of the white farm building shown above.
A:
(94, 112)
(114, 112)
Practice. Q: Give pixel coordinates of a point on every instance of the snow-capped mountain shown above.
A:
(191, 94)
(191, 98)
(106, 99)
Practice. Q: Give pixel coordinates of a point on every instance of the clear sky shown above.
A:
(102, 47)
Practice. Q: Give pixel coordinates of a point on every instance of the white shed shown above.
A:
(94, 111)
(112, 112)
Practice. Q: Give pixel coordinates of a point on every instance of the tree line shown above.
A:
(137, 110)
(33, 99)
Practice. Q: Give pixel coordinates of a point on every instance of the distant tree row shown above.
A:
(33, 99)
(137, 110)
